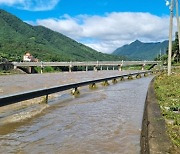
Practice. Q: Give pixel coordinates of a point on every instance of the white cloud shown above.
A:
(11, 2)
(31, 5)
(106, 33)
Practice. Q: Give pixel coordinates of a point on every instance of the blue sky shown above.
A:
(101, 24)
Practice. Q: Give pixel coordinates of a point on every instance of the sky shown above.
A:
(103, 25)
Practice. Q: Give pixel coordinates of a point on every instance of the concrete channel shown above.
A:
(105, 120)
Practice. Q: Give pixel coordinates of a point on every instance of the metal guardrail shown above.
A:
(88, 63)
(11, 99)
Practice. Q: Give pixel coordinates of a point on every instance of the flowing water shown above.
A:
(106, 120)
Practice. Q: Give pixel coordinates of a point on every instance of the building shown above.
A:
(29, 58)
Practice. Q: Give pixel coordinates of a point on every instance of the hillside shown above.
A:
(17, 37)
(138, 50)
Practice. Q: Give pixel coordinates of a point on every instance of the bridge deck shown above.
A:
(96, 63)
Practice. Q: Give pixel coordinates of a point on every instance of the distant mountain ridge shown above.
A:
(17, 37)
(138, 50)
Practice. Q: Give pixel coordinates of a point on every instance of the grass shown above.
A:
(168, 94)
(4, 72)
(9, 72)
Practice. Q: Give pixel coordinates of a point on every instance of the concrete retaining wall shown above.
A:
(154, 139)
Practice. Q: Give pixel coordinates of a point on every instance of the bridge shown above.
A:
(95, 64)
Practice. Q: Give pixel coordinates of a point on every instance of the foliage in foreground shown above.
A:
(168, 95)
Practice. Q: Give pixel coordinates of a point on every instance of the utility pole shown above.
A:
(177, 17)
(170, 37)
(160, 55)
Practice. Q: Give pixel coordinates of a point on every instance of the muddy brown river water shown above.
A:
(106, 120)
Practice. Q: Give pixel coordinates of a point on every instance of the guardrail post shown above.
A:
(105, 83)
(113, 68)
(121, 78)
(93, 86)
(145, 74)
(107, 68)
(151, 73)
(130, 77)
(114, 81)
(45, 99)
(75, 91)
(86, 68)
(138, 76)
(101, 68)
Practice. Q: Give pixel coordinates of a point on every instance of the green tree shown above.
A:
(175, 49)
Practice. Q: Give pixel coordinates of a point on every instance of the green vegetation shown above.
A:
(175, 50)
(146, 67)
(17, 37)
(175, 53)
(142, 51)
(9, 72)
(4, 72)
(168, 94)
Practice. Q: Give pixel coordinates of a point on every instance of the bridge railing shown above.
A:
(10, 99)
(88, 63)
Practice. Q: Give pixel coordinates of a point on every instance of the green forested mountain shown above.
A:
(138, 50)
(17, 37)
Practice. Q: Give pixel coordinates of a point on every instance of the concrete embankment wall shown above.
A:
(154, 139)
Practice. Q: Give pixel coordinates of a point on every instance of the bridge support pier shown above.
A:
(143, 67)
(70, 68)
(30, 70)
(95, 68)
(120, 67)
(42, 68)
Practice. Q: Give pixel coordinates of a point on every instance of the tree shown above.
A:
(175, 49)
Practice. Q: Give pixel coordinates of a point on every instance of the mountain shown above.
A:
(138, 50)
(18, 37)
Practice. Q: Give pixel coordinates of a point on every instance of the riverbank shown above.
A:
(11, 72)
(168, 95)
(161, 127)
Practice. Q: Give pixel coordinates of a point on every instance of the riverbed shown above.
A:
(106, 120)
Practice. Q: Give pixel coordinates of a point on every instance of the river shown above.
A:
(106, 120)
